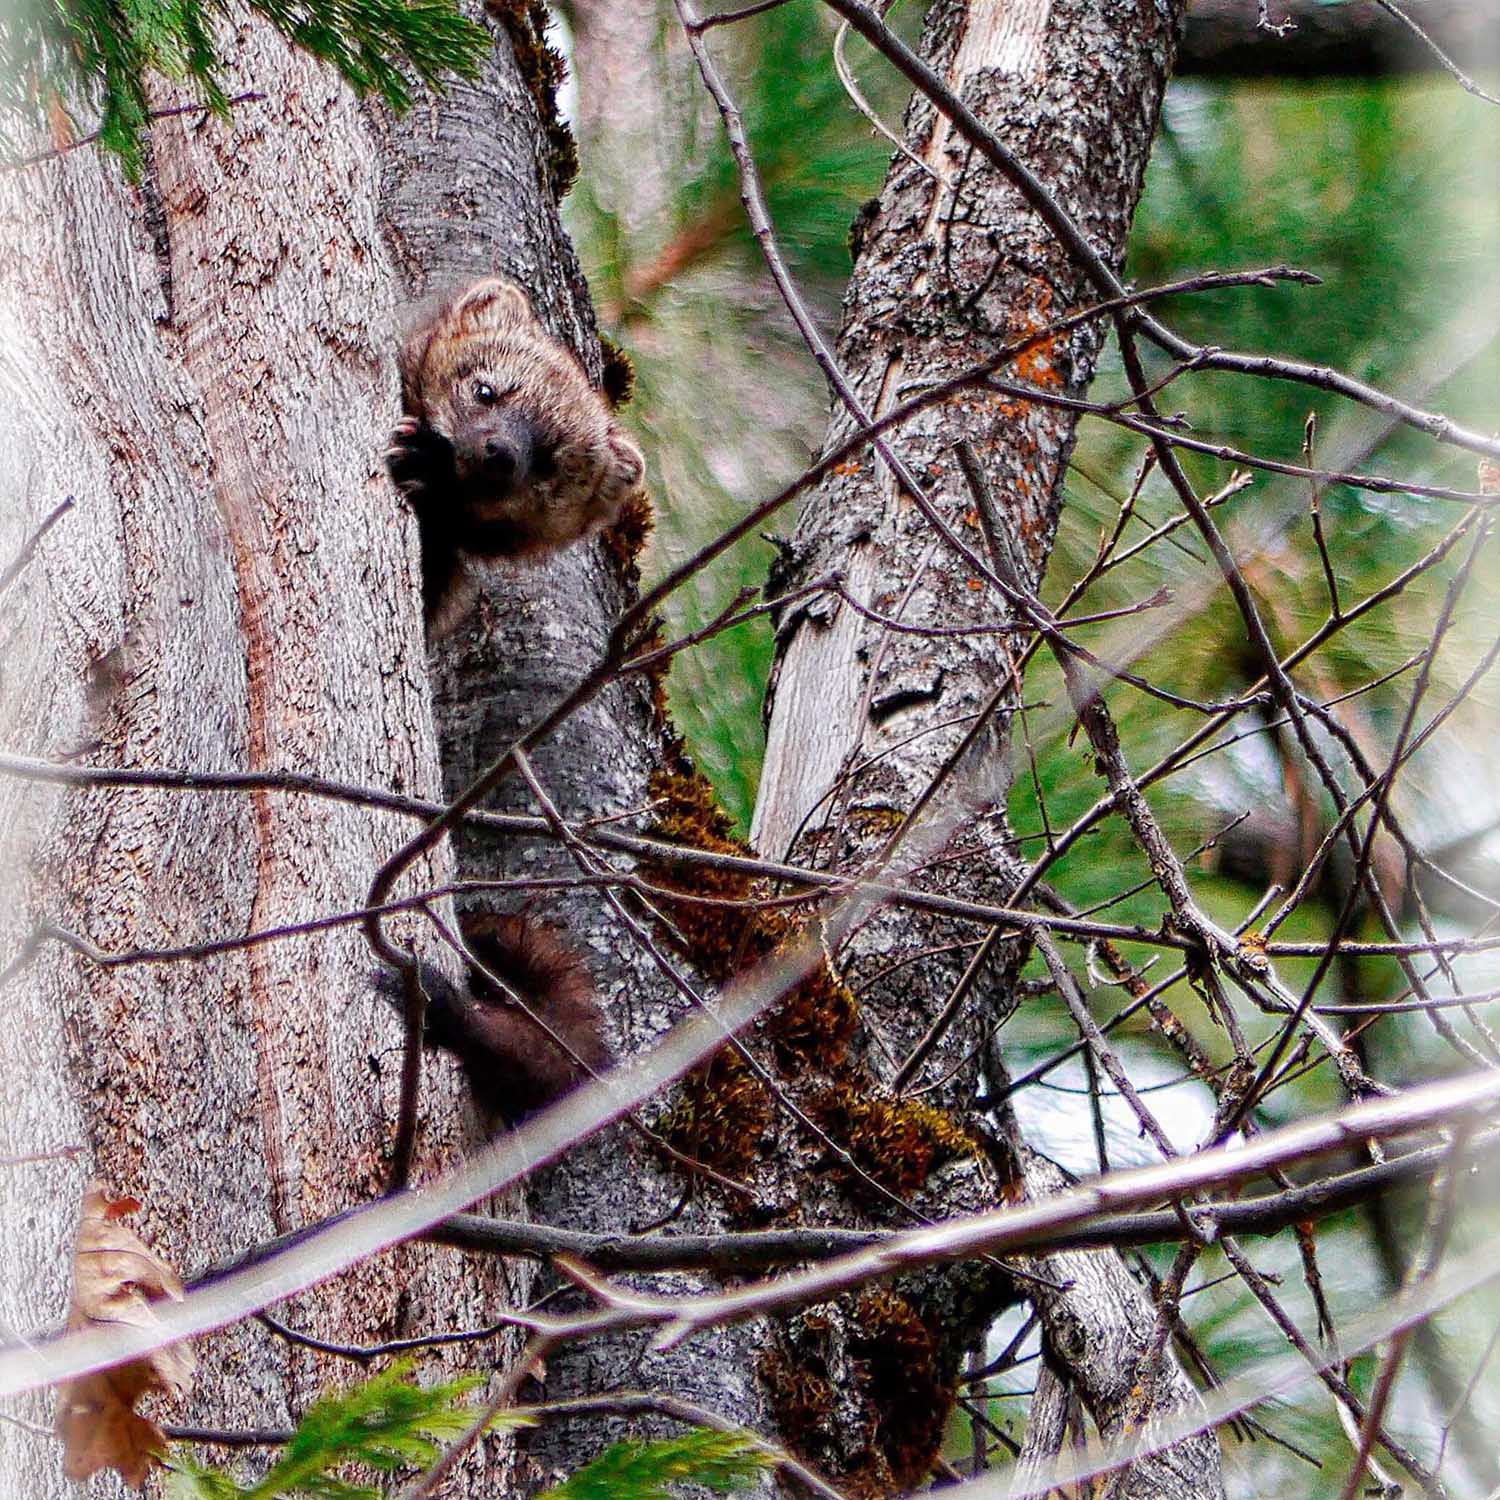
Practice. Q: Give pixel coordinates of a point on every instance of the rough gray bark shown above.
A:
(468, 193)
(863, 719)
(1354, 39)
(1098, 1320)
(205, 364)
(1046, 1430)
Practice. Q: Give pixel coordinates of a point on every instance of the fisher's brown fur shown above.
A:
(506, 451)
(532, 1036)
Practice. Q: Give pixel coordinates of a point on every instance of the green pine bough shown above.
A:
(60, 54)
(390, 1423)
(634, 1469)
(385, 1424)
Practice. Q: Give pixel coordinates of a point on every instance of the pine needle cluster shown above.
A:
(390, 1423)
(647, 1470)
(61, 55)
(384, 1424)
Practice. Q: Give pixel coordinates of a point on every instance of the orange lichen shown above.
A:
(1037, 364)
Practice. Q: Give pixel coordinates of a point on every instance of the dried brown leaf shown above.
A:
(116, 1278)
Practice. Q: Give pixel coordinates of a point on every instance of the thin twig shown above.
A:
(198, 107)
(28, 547)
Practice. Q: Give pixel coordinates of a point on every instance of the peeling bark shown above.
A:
(952, 264)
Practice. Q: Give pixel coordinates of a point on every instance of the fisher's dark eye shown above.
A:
(485, 394)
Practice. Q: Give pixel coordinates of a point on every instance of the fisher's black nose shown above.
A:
(509, 447)
(501, 460)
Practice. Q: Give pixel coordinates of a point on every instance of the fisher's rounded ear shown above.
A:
(494, 302)
(629, 464)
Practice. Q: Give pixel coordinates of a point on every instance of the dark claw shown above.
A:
(419, 459)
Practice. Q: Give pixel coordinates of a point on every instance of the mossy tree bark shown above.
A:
(475, 189)
(864, 719)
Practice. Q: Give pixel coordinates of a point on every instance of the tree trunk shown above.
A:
(864, 719)
(537, 631)
(205, 365)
